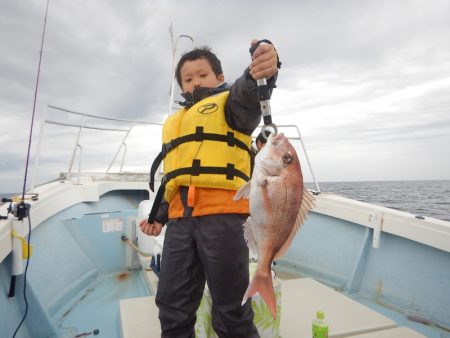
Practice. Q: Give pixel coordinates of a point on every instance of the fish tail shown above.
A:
(262, 284)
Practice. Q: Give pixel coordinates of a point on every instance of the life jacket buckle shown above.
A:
(230, 139)
(166, 147)
(195, 167)
(230, 171)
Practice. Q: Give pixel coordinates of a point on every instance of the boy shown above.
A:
(207, 158)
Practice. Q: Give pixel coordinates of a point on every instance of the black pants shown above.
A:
(196, 249)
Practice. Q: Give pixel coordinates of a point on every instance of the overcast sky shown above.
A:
(367, 82)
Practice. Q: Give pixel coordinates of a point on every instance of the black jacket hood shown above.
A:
(201, 93)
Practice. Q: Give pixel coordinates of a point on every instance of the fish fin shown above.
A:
(249, 235)
(243, 192)
(306, 205)
(262, 284)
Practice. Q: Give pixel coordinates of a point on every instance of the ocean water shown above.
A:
(425, 198)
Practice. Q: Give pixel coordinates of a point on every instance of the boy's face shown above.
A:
(198, 73)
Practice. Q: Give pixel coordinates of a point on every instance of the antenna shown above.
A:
(174, 51)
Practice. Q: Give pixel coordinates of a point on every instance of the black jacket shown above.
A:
(242, 112)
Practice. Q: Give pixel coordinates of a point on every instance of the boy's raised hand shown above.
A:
(264, 61)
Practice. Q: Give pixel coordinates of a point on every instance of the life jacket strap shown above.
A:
(198, 136)
(229, 171)
(157, 201)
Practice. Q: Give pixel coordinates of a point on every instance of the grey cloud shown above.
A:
(376, 70)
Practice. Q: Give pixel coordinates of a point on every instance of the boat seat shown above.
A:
(139, 318)
(403, 332)
(300, 299)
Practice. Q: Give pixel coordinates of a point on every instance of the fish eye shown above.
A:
(287, 158)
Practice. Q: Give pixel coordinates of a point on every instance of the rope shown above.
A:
(134, 247)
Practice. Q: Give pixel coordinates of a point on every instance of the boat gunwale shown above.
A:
(427, 230)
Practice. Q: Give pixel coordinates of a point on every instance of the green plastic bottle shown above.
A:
(319, 326)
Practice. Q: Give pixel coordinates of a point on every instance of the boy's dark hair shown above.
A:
(199, 53)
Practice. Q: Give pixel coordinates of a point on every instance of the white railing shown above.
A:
(300, 138)
(78, 148)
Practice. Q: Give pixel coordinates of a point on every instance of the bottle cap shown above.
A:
(320, 315)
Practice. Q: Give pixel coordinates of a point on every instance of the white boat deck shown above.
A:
(301, 298)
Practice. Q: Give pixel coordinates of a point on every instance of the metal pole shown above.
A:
(38, 150)
(79, 164)
(173, 70)
(120, 147)
(75, 148)
(123, 157)
(174, 51)
(307, 158)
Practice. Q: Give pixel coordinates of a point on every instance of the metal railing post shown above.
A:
(122, 144)
(38, 149)
(123, 157)
(307, 158)
(77, 144)
(79, 163)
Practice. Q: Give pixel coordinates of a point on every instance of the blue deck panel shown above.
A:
(98, 307)
(75, 278)
(399, 277)
(400, 318)
(71, 254)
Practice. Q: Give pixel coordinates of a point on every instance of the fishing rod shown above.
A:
(34, 102)
(22, 209)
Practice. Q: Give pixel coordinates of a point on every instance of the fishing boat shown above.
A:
(73, 262)
(374, 271)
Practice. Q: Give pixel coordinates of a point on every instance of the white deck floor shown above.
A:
(301, 298)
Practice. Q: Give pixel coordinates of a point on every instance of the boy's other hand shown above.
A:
(153, 229)
(264, 61)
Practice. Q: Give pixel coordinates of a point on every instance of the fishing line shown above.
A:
(22, 206)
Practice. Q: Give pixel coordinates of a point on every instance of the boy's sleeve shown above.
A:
(162, 216)
(242, 110)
